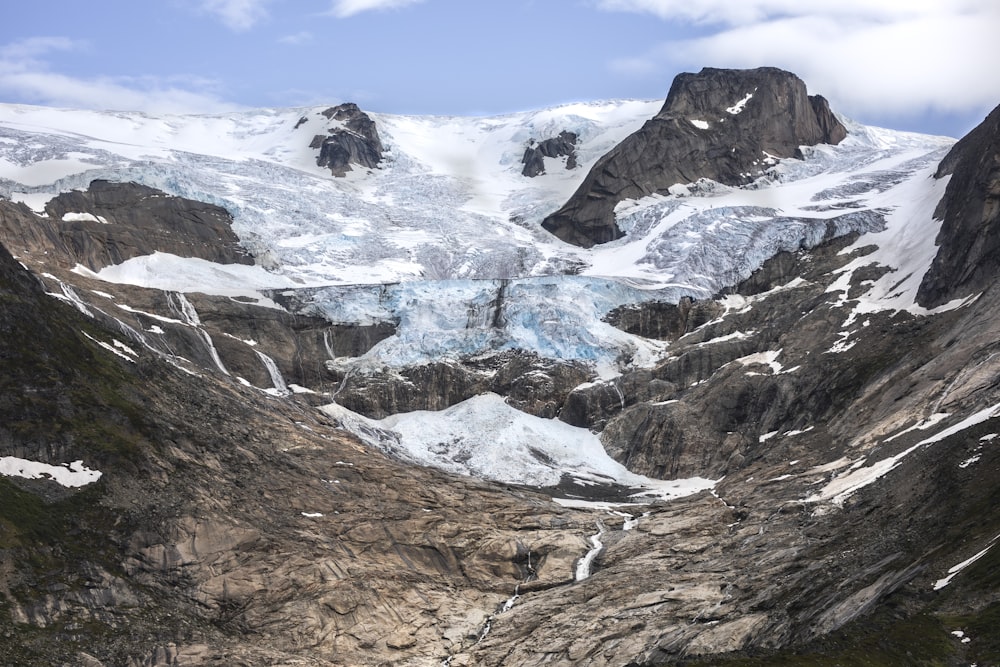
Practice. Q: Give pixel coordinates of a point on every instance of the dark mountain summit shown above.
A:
(724, 125)
(352, 140)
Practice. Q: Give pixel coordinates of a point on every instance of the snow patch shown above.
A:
(956, 569)
(70, 475)
(84, 217)
(738, 107)
(768, 358)
(118, 348)
(860, 475)
(486, 438)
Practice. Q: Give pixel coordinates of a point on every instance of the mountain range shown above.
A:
(709, 380)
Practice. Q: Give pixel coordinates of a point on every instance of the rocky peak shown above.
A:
(563, 145)
(967, 261)
(354, 140)
(723, 125)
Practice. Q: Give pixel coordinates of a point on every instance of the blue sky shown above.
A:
(922, 65)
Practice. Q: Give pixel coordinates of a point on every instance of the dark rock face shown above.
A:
(717, 124)
(562, 146)
(530, 384)
(355, 142)
(969, 256)
(433, 386)
(664, 321)
(113, 222)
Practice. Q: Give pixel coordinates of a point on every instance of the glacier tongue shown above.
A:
(559, 317)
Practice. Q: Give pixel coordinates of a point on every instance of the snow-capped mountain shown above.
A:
(735, 405)
(449, 202)
(442, 238)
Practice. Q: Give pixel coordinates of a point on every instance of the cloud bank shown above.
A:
(887, 57)
(25, 74)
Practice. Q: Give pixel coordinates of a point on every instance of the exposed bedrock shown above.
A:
(112, 222)
(717, 124)
(530, 383)
(969, 255)
(781, 361)
(353, 140)
(563, 145)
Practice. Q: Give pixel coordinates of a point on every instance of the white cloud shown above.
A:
(303, 37)
(887, 58)
(32, 47)
(25, 75)
(753, 11)
(238, 15)
(345, 8)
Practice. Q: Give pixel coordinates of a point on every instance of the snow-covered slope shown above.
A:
(444, 239)
(449, 202)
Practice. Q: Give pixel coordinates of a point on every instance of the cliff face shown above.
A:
(968, 258)
(724, 125)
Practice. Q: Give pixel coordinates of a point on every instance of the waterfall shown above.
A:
(179, 304)
(184, 309)
(328, 345)
(75, 299)
(583, 567)
(272, 369)
(621, 396)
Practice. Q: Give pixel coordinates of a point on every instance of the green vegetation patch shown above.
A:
(923, 640)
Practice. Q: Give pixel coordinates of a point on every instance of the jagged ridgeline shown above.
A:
(332, 388)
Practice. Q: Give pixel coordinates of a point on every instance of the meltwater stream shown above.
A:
(583, 567)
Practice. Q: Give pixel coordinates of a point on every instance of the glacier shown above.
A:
(447, 222)
(444, 241)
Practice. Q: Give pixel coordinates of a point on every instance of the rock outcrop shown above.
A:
(723, 125)
(353, 140)
(968, 259)
(563, 145)
(112, 222)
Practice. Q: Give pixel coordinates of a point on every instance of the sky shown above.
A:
(920, 65)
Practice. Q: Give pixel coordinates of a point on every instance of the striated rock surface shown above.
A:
(222, 513)
(718, 124)
(353, 140)
(969, 255)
